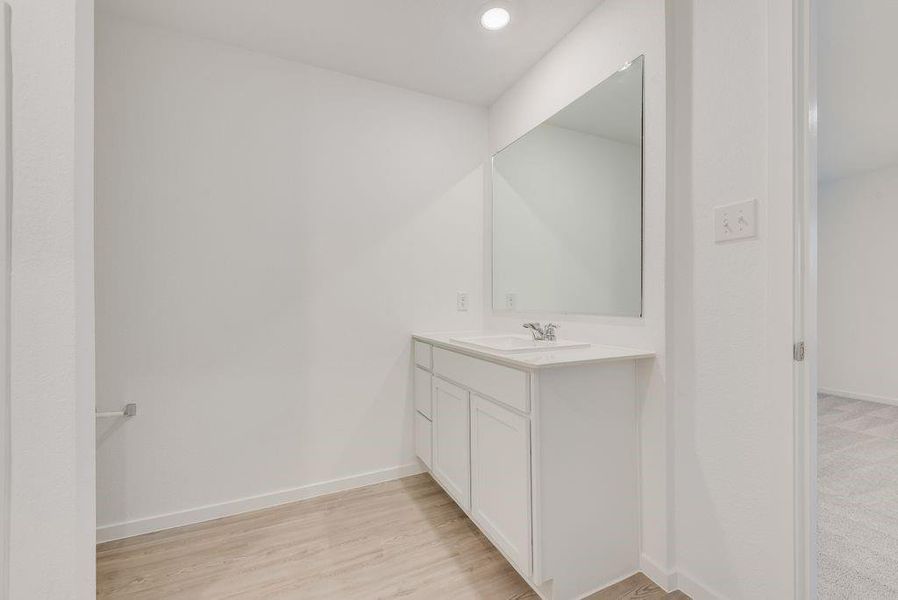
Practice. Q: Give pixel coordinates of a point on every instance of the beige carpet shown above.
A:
(857, 479)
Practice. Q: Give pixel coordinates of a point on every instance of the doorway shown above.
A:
(848, 384)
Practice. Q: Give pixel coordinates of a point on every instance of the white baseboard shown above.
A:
(666, 580)
(695, 589)
(117, 531)
(858, 396)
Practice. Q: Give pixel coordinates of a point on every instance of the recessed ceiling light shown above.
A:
(495, 19)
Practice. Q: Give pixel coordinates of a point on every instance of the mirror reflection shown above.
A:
(567, 207)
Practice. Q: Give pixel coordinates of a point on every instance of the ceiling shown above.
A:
(433, 46)
(858, 89)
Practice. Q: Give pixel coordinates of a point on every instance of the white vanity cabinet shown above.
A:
(424, 439)
(540, 451)
(422, 390)
(500, 478)
(452, 440)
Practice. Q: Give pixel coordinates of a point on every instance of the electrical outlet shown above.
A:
(461, 301)
(736, 221)
(510, 301)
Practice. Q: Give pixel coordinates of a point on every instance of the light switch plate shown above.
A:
(461, 301)
(736, 221)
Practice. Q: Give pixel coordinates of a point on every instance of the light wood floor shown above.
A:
(404, 538)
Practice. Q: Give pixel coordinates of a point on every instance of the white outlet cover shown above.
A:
(510, 301)
(736, 221)
(461, 301)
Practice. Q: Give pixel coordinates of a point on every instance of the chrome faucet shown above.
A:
(543, 334)
(536, 330)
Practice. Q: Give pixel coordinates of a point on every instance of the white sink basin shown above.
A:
(518, 343)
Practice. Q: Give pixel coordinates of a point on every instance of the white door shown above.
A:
(500, 478)
(452, 441)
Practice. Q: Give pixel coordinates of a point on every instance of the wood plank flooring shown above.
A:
(401, 539)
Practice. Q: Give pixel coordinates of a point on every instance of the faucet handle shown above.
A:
(550, 331)
(536, 330)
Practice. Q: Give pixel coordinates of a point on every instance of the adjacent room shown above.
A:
(858, 293)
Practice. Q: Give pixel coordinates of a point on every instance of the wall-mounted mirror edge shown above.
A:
(567, 208)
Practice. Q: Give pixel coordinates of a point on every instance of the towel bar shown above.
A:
(130, 410)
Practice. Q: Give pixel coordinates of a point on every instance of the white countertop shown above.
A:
(595, 353)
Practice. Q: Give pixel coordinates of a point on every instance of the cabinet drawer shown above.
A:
(507, 385)
(423, 355)
(424, 439)
(423, 391)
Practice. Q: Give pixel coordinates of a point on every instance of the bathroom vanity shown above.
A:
(537, 443)
(536, 438)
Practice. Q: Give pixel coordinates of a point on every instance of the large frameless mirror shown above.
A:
(567, 207)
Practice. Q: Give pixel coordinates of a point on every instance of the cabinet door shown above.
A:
(500, 474)
(452, 441)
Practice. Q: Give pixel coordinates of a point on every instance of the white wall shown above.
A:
(859, 132)
(615, 33)
(5, 297)
(268, 236)
(718, 496)
(720, 316)
(572, 240)
(52, 535)
(731, 319)
(857, 320)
